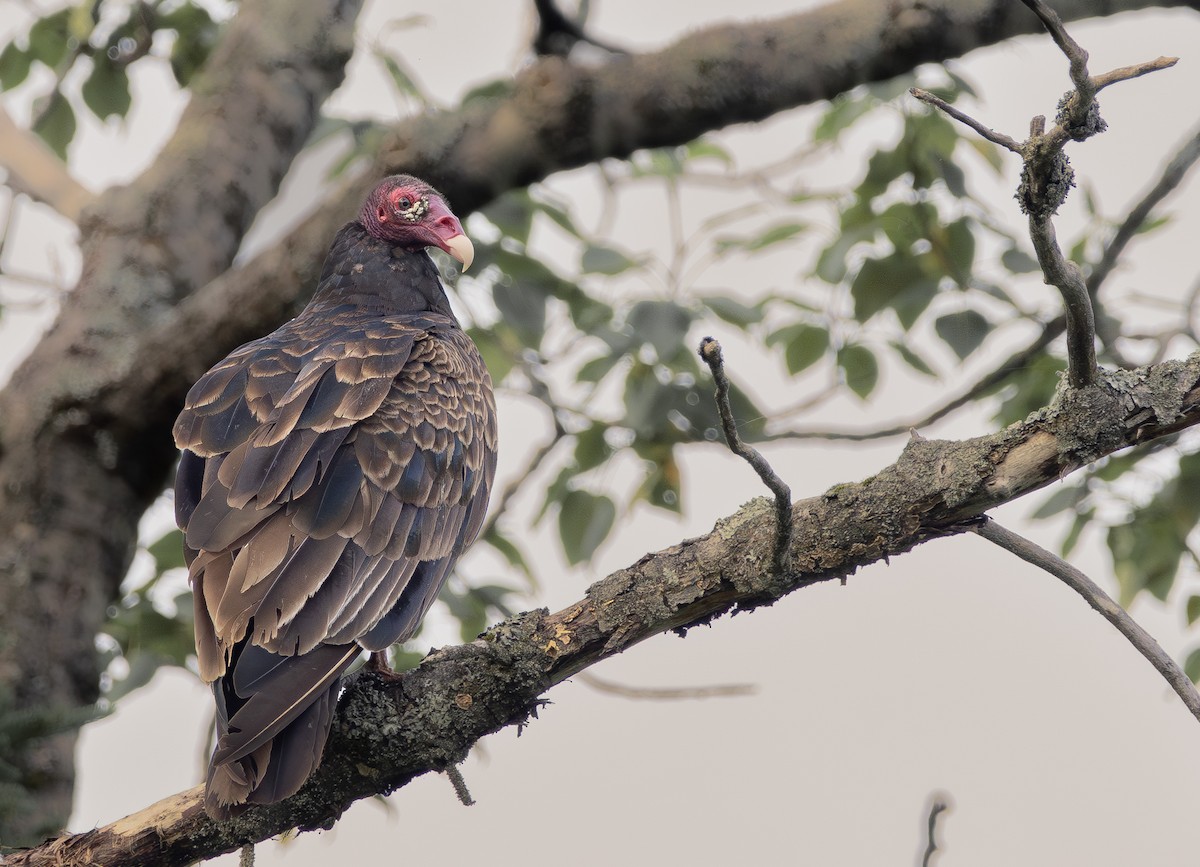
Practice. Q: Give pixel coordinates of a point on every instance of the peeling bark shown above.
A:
(388, 733)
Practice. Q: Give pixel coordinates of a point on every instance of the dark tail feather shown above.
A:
(273, 717)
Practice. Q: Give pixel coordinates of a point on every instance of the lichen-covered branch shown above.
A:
(84, 425)
(387, 733)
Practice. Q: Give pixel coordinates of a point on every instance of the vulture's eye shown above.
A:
(405, 203)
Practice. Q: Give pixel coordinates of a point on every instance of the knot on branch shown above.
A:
(1044, 185)
(1079, 126)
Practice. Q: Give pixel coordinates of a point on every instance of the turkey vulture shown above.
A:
(331, 474)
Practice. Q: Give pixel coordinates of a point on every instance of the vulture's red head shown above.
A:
(407, 212)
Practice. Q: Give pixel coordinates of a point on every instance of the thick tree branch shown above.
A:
(386, 734)
(1101, 603)
(84, 425)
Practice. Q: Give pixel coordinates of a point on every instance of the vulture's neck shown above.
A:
(370, 274)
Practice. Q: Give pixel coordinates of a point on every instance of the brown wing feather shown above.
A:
(347, 464)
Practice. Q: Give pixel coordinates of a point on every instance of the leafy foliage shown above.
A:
(901, 271)
(79, 36)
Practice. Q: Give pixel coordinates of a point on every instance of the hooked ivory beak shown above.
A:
(461, 248)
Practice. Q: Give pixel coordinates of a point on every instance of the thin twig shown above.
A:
(1100, 602)
(1077, 57)
(938, 804)
(1047, 176)
(710, 354)
(246, 857)
(454, 775)
(1065, 276)
(987, 132)
(1125, 73)
(650, 693)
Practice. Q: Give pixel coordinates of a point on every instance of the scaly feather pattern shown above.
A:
(332, 472)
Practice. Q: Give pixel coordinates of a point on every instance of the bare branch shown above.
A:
(1125, 73)
(387, 733)
(651, 693)
(939, 802)
(1101, 602)
(710, 354)
(36, 170)
(1077, 304)
(1077, 57)
(454, 775)
(985, 131)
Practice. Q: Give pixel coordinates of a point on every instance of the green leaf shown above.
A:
(56, 125)
(523, 310)
(1018, 261)
(1082, 519)
(404, 83)
(196, 35)
(860, 368)
(512, 214)
(771, 236)
(662, 324)
(591, 448)
(1191, 667)
(704, 148)
(106, 92)
(14, 66)
(1066, 497)
(560, 216)
(660, 488)
(733, 311)
(497, 356)
(961, 85)
(584, 522)
(49, 38)
(1193, 610)
(960, 251)
(831, 264)
(963, 331)
(598, 368)
(990, 153)
(899, 281)
(804, 345)
(489, 91)
(605, 260)
(1152, 223)
(509, 552)
(843, 111)
(916, 362)
(905, 223)
(167, 552)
